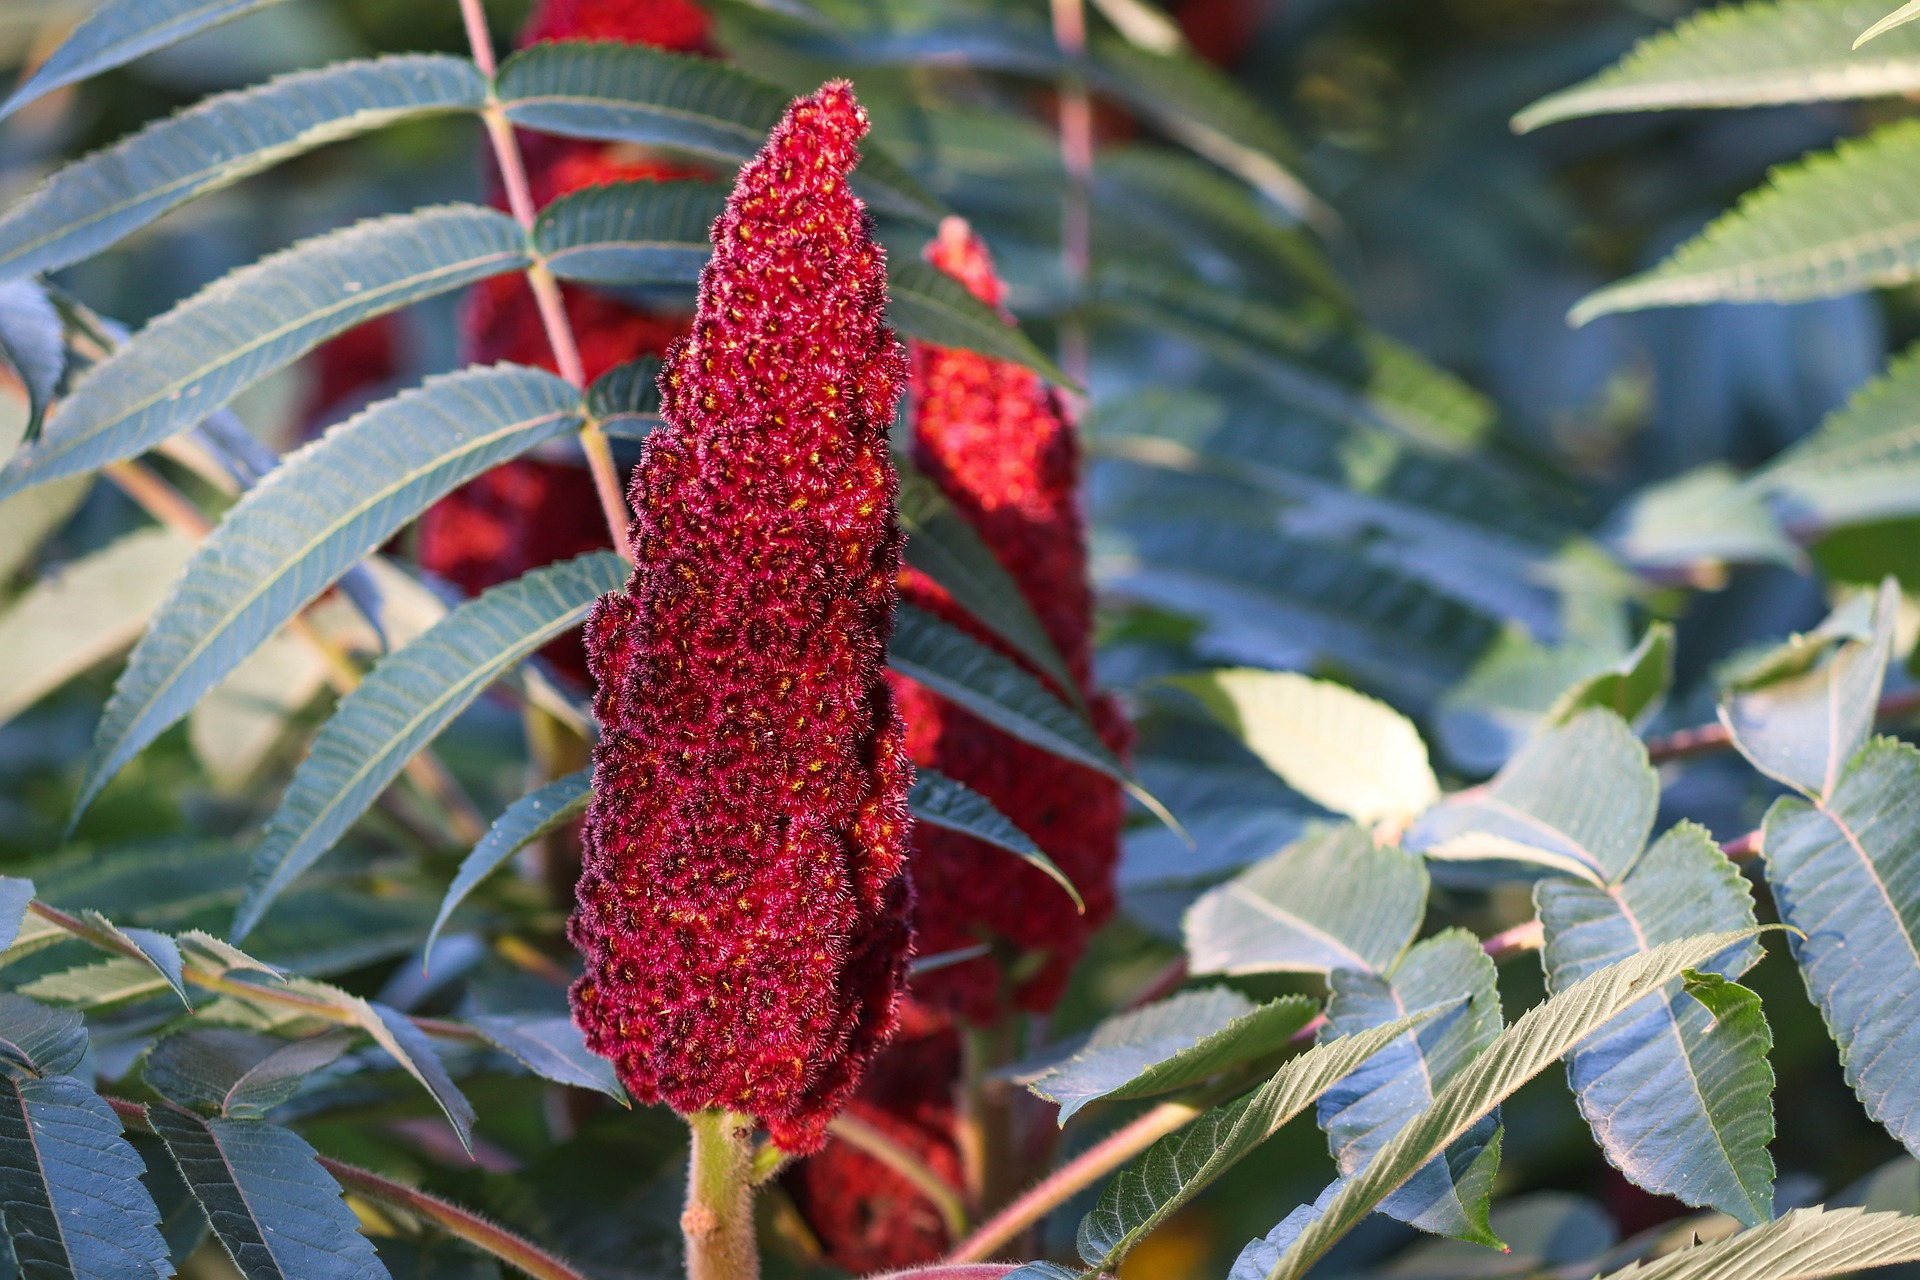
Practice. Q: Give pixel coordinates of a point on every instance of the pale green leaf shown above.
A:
(83, 613)
(1632, 688)
(633, 93)
(1698, 521)
(257, 320)
(1545, 1033)
(1579, 798)
(317, 514)
(1898, 18)
(1677, 1092)
(1835, 223)
(1805, 1244)
(1742, 55)
(1339, 748)
(1170, 1045)
(118, 31)
(1863, 461)
(1180, 1166)
(1801, 727)
(26, 519)
(32, 345)
(1332, 899)
(405, 702)
(99, 200)
(16, 895)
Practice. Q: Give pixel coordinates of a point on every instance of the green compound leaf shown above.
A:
(632, 93)
(1542, 1035)
(118, 31)
(194, 359)
(1363, 1111)
(538, 813)
(1180, 1166)
(1331, 900)
(1742, 55)
(1677, 1091)
(274, 1209)
(101, 199)
(1178, 1042)
(631, 233)
(1845, 872)
(315, 516)
(405, 702)
(1835, 223)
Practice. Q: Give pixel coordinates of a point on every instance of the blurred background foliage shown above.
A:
(1466, 576)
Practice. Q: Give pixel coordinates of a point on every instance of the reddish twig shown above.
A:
(546, 289)
(1709, 739)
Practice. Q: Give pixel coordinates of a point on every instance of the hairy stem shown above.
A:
(546, 290)
(1076, 162)
(717, 1223)
(1069, 1179)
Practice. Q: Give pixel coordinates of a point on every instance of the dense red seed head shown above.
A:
(679, 25)
(1001, 446)
(865, 1216)
(743, 912)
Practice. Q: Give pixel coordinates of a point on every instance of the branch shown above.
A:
(546, 290)
(1710, 739)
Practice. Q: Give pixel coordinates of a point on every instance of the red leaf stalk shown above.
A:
(744, 908)
(527, 513)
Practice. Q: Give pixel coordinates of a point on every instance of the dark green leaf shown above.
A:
(98, 201)
(118, 31)
(1363, 1111)
(277, 1212)
(532, 816)
(950, 551)
(632, 93)
(631, 233)
(939, 801)
(405, 702)
(961, 669)
(244, 326)
(930, 305)
(553, 1049)
(236, 1073)
(321, 511)
(70, 1187)
(625, 400)
(37, 1040)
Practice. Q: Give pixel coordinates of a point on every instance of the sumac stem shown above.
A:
(718, 1220)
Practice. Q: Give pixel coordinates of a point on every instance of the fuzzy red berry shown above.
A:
(743, 912)
(865, 1216)
(1001, 446)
